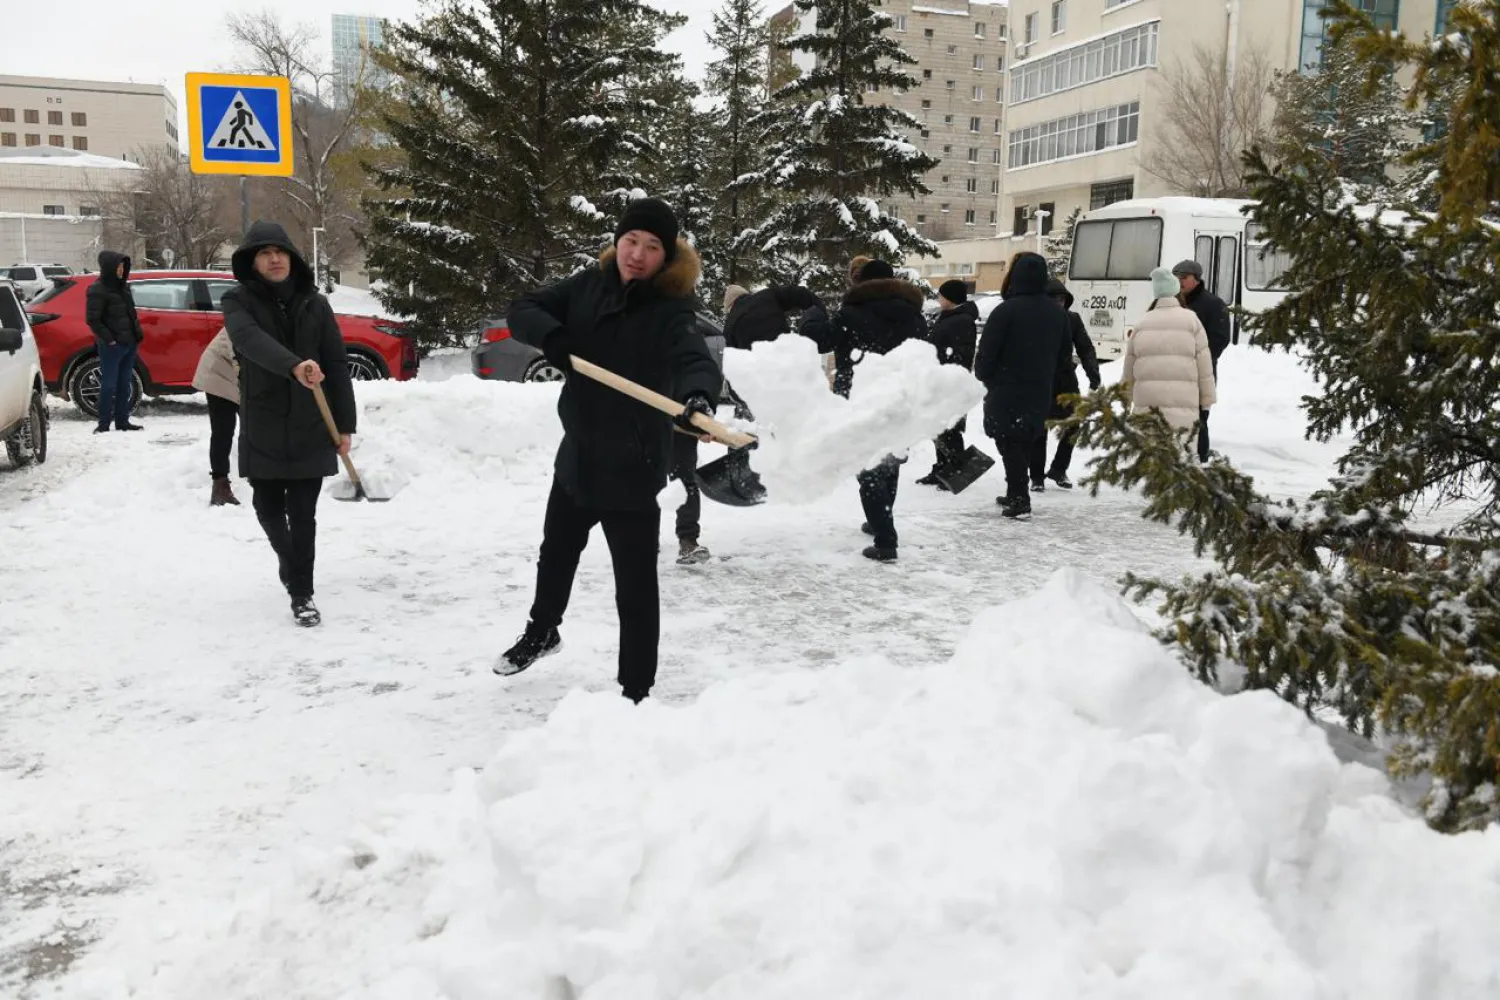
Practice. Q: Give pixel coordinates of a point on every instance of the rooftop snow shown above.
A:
(50, 156)
(940, 10)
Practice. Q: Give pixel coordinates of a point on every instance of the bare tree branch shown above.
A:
(1208, 122)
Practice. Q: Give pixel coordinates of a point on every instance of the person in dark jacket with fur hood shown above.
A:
(1066, 385)
(955, 335)
(879, 313)
(288, 341)
(753, 317)
(632, 313)
(110, 313)
(1024, 342)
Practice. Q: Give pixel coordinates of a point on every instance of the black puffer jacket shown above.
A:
(875, 317)
(282, 433)
(955, 334)
(761, 316)
(109, 308)
(1024, 344)
(616, 452)
(1214, 315)
(1081, 346)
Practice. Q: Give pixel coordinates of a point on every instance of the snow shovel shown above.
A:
(731, 481)
(333, 431)
(655, 400)
(975, 464)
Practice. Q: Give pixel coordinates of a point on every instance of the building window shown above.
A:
(926, 105)
(979, 62)
(969, 217)
(1444, 8)
(80, 119)
(995, 188)
(1050, 208)
(1059, 16)
(999, 95)
(963, 268)
(1000, 63)
(979, 29)
(54, 118)
(994, 216)
(1110, 192)
(947, 119)
(974, 124)
(971, 186)
(921, 219)
(172, 130)
(33, 117)
(1019, 227)
(973, 154)
(7, 138)
(1075, 135)
(926, 133)
(1125, 51)
(927, 74)
(926, 32)
(56, 140)
(1030, 35)
(32, 139)
(947, 150)
(7, 114)
(52, 210)
(900, 22)
(978, 94)
(1000, 32)
(950, 84)
(89, 211)
(953, 50)
(1315, 30)
(997, 126)
(944, 179)
(81, 143)
(995, 154)
(943, 207)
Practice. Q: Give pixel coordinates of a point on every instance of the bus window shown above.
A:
(1090, 250)
(1264, 264)
(1203, 253)
(1122, 250)
(1225, 268)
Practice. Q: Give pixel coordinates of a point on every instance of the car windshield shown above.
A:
(59, 285)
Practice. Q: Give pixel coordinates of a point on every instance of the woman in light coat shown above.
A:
(218, 376)
(1168, 363)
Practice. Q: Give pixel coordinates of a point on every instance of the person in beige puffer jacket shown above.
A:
(1168, 363)
(218, 376)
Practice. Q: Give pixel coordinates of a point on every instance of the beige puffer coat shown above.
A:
(218, 372)
(1168, 364)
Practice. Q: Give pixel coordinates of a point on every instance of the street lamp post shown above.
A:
(317, 258)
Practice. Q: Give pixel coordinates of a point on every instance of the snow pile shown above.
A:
(812, 441)
(1095, 825)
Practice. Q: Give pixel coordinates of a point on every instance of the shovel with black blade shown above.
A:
(333, 430)
(973, 465)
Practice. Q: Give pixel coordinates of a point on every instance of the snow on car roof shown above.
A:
(1212, 208)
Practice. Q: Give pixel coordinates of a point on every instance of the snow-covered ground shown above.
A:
(968, 773)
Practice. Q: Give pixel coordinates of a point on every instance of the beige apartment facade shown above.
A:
(111, 120)
(1085, 97)
(50, 206)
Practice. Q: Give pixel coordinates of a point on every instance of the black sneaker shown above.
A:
(1061, 479)
(1039, 486)
(127, 426)
(880, 554)
(534, 644)
(101, 430)
(1018, 509)
(931, 479)
(305, 612)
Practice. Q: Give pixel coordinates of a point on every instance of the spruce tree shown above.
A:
(737, 80)
(519, 124)
(833, 155)
(1344, 600)
(1058, 246)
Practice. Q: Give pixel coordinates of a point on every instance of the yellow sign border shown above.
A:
(283, 167)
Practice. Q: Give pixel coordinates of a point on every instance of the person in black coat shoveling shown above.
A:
(879, 313)
(1066, 385)
(110, 313)
(288, 341)
(954, 334)
(1214, 315)
(1023, 344)
(631, 314)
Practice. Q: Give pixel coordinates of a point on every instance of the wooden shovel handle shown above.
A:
(655, 400)
(333, 432)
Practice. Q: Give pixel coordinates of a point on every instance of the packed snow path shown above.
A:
(168, 739)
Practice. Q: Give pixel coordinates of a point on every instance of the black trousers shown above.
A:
(1015, 455)
(1203, 435)
(632, 539)
(684, 470)
(877, 494)
(223, 415)
(1062, 458)
(950, 446)
(288, 513)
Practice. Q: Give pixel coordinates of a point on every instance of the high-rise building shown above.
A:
(354, 36)
(113, 120)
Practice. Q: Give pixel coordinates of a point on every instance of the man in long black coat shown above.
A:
(288, 341)
(1065, 385)
(109, 309)
(1019, 354)
(954, 333)
(631, 314)
(1214, 315)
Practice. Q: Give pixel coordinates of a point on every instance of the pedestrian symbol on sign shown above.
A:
(239, 128)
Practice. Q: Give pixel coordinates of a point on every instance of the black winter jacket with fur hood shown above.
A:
(875, 317)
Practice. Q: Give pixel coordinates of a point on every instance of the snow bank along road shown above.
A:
(856, 780)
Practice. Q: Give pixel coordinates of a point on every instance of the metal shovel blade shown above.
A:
(974, 465)
(731, 481)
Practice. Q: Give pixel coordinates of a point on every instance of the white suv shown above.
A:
(23, 396)
(33, 279)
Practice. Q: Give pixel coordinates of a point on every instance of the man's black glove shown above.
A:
(696, 403)
(1093, 384)
(558, 347)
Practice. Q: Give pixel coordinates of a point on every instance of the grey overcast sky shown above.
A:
(160, 41)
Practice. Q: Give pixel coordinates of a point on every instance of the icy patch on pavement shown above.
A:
(1088, 825)
(812, 441)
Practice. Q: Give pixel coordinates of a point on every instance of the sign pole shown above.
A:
(241, 125)
(244, 204)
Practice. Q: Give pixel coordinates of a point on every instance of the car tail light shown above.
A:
(495, 333)
(37, 319)
(486, 372)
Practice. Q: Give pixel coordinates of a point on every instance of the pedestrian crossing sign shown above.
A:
(239, 124)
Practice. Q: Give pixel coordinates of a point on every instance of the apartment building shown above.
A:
(104, 119)
(354, 36)
(1085, 93)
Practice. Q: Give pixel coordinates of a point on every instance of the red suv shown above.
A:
(179, 313)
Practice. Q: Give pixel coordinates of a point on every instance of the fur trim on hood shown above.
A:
(674, 281)
(885, 288)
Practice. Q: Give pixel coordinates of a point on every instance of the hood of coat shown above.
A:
(885, 288)
(108, 261)
(269, 234)
(674, 281)
(1056, 288)
(1028, 276)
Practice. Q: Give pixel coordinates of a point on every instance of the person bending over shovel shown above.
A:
(633, 315)
(288, 341)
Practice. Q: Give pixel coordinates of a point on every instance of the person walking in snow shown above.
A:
(685, 470)
(110, 314)
(1023, 345)
(1214, 315)
(284, 332)
(632, 314)
(878, 314)
(1066, 385)
(218, 378)
(1168, 363)
(955, 335)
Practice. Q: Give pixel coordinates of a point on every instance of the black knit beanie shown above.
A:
(954, 291)
(876, 269)
(654, 216)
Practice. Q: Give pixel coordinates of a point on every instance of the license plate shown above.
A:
(1102, 318)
